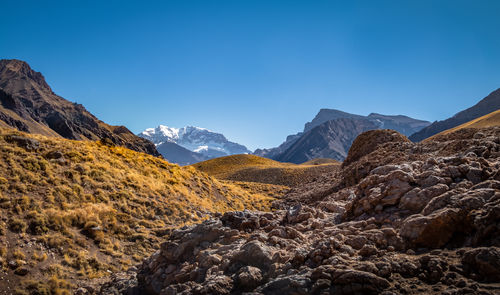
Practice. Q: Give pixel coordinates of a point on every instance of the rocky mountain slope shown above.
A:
(28, 103)
(203, 144)
(71, 211)
(398, 218)
(177, 154)
(403, 124)
(332, 140)
(489, 120)
(487, 105)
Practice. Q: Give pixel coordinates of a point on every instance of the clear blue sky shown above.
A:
(257, 70)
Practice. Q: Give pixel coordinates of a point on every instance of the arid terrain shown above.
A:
(398, 218)
(90, 208)
(72, 211)
(251, 168)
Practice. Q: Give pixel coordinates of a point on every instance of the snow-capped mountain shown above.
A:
(202, 141)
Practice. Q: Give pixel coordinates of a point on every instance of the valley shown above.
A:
(350, 205)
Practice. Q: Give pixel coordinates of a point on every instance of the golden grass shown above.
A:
(251, 168)
(490, 120)
(98, 207)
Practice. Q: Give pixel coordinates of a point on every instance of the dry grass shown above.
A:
(266, 189)
(92, 208)
(251, 168)
(490, 120)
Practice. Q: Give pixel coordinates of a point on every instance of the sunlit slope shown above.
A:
(87, 208)
(489, 120)
(251, 168)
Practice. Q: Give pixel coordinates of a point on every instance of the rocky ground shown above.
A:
(399, 218)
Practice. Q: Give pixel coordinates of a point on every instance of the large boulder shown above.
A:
(369, 141)
(432, 231)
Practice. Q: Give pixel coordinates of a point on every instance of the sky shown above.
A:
(257, 71)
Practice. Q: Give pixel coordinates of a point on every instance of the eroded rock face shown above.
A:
(426, 222)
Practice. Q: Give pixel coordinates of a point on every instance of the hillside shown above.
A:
(77, 210)
(28, 104)
(400, 218)
(485, 106)
(251, 168)
(489, 120)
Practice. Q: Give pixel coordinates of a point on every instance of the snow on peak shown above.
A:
(195, 139)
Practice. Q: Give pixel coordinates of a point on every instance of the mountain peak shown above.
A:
(14, 69)
(201, 141)
(27, 103)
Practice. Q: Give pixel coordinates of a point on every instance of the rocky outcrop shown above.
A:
(422, 221)
(28, 104)
(369, 141)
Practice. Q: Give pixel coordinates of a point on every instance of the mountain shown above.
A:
(487, 105)
(330, 139)
(402, 124)
(489, 120)
(202, 143)
(27, 103)
(273, 153)
(175, 153)
(333, 140)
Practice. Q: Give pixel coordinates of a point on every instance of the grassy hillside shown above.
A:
(77, 210)
(489, 120)
(251, 168)
(320, 161)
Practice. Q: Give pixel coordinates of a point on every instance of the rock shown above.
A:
(475, 175)
(359, 282)
(249, 277)
(255, 253)
(21, 271)
(291, 284)
(27, 143)
(431, 231)
(430, 181)
(368, 250)
(54, 155)
(297, 214)
(369, 141)
(217, 285)
(357, 242)
(416, 199)
(484, 261)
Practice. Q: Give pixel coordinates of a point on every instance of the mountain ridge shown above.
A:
(290, 150)
(28, 104)
(485, 106)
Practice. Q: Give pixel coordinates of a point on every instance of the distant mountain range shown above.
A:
(487, 105)
(331, 133)
(189, 145)
(28, 103)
